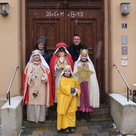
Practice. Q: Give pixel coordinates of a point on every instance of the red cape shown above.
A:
(25, 94)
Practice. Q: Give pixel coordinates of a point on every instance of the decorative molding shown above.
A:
(95, 4)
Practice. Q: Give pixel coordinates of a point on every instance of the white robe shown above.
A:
(93, 83)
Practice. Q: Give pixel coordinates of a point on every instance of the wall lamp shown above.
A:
(4, 8)
(125, 8)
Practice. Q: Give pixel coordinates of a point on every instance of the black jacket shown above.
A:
(74, 50)
(47, 56)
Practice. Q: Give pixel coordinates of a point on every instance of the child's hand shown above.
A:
(73, 90)
(43, 77)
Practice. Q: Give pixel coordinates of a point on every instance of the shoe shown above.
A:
(66, 131)
(60, 131)
(72, 130)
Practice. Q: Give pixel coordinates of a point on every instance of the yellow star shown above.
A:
(83, 73)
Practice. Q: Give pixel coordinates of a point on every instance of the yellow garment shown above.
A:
(67, 103)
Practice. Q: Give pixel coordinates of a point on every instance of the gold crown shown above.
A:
(67, 67)
(84, 52)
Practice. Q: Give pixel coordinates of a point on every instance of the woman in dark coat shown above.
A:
(41, 46)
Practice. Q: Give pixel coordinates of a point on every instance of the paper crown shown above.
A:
(61, 44)
(36, 52)
(67, 67)
(84, 52)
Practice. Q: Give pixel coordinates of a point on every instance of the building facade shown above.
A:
(110, 37)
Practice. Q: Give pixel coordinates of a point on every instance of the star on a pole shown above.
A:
(83, 73)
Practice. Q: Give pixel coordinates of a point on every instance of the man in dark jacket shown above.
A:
(75, 48)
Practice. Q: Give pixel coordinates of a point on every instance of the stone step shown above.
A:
(85, 129)
(102, 112)
(99, 115)
(96, 112)
(92, 116)
(52, 123)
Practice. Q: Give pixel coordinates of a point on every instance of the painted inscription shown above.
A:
(71, 14)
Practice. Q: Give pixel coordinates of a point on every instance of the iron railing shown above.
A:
(129, 90)
(10, 85)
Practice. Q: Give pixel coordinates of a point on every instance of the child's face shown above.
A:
(36, 57)
(67, 72)
(61, 53)
(83, 57)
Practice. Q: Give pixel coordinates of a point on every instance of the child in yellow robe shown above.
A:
(67, 94)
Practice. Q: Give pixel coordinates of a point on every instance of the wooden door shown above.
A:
(59, 20)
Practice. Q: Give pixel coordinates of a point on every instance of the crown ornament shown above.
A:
(83, 52)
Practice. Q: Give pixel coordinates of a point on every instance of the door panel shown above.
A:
(86, 29)
(48, 28)
(42, 22)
